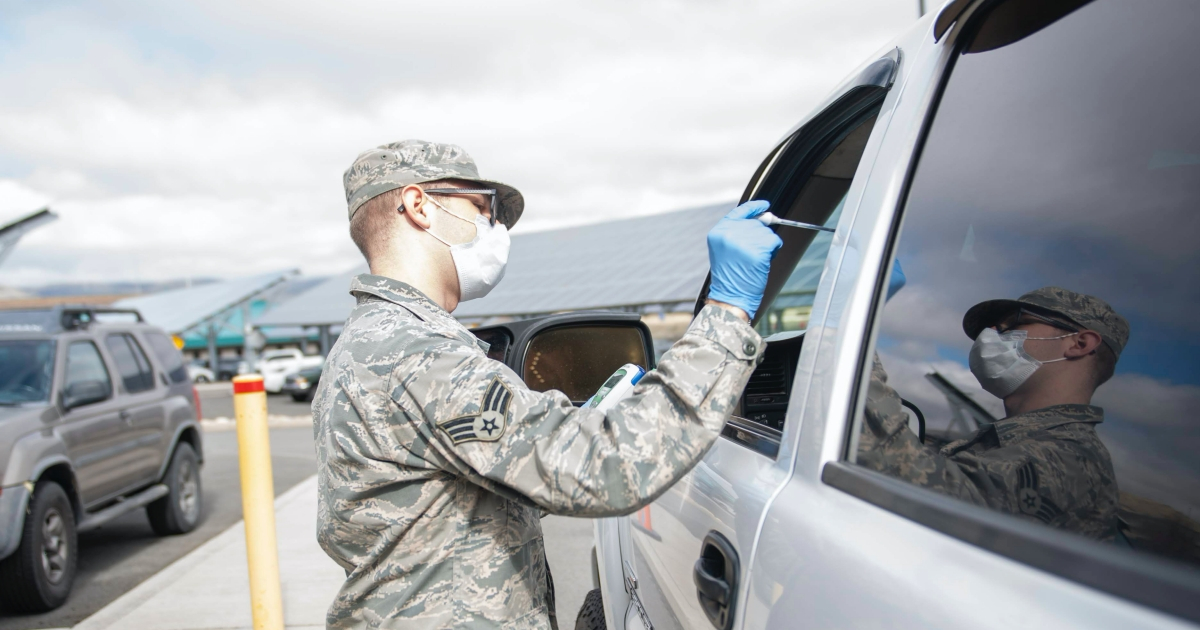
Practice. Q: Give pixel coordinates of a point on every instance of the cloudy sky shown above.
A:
(208, 139)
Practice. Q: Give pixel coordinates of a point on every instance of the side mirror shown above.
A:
(574, 353)
(84, 393)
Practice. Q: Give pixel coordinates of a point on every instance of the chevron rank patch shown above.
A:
(489, 424)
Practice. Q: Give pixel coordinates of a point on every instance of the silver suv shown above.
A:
(97, 417)
(999, 148)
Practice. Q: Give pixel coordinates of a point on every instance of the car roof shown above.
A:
(67, 318)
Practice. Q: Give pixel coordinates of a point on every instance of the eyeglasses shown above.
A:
(493, 212)
(1014, 320)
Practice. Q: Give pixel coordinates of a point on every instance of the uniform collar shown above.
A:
(413, 301)
(1021, 425)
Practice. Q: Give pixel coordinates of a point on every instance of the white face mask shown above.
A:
(1000, 362)
(479, 263)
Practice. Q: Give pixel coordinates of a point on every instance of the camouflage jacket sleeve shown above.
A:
(887, 445)
(478, 420)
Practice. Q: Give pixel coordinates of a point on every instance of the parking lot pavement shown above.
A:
(569, 549)
(216, 401)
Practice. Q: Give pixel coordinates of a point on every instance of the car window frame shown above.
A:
(800, 153)
(134, 348)
(1139, 577)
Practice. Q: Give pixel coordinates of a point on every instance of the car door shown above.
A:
(93, 433)
(1044, 149)
(142, 412)
(689, 551)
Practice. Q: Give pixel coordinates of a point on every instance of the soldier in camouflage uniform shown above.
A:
(435, 463)
(1044, 461)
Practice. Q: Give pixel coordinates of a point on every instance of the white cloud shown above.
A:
(212, 137)
(1150, 402)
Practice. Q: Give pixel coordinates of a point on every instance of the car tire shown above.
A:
(179, 512)
(38, 576)
(201, 379)
(300, 397)
(591, 614)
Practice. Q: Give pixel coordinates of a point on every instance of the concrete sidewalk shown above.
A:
(208, 589)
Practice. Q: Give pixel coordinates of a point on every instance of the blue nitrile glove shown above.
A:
(740, 250)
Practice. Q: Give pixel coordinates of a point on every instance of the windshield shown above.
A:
(26, 367)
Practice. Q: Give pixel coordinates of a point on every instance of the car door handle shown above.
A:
(124, 415)
(716, 578)
(708, 586)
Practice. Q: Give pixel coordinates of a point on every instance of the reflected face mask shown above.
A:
(479, 263)
(1000, 363)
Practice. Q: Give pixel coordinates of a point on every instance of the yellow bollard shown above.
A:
(258, 501)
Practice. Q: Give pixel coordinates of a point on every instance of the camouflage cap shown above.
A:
(398, 164)
(1083, 310)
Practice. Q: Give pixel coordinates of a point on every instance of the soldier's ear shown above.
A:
(414, 206)
(1085, 343)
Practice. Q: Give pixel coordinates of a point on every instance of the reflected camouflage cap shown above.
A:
(1083, 310)
(398, 164)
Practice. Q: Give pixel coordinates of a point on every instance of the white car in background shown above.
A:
(200, 374)
(276, 365)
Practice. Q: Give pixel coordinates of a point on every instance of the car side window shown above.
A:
(84, 364)
(1043, 358)
(796, 269)
(169, 356)
(132, 364)
(805, 179)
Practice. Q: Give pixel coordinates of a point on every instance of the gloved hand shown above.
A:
(740, 249)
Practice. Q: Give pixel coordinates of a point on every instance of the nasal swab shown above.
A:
(769, 219)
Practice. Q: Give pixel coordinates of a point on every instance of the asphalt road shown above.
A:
(216, 401)
(121, 554)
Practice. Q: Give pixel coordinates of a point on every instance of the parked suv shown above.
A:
(996, 149)
(97, 418)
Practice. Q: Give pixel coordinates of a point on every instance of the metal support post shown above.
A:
(258, 501)
(324, 339)
(249, 352)
(212, 349)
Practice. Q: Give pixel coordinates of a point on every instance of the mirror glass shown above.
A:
(576, 360)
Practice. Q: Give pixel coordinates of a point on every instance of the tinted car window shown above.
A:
(84, 364)
(801, 260)
(169, 356)
(1062, 165)
(26, 366)
(131, 363)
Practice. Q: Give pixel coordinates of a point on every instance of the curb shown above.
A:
(111, 615)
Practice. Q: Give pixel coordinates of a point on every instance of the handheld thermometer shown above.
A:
(616, 387)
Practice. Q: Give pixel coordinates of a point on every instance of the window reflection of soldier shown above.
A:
(1044, 354)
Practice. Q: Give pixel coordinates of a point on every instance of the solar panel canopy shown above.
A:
(180, 310)
(659, 259)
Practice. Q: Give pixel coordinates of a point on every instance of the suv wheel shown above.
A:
(591, 614)
(179, 511)
(37, 577)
